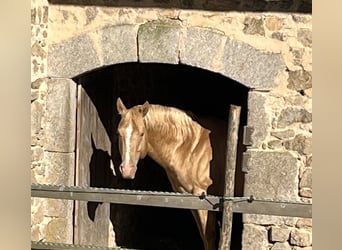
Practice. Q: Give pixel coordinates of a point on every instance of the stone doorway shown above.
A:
(202, 92)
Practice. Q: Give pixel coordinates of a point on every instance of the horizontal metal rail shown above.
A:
(246, 205)
(273, 207)
(52, 246)
(130, 197)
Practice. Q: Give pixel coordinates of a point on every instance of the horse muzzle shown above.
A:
(128, 171)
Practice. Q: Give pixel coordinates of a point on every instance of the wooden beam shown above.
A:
(232, 141)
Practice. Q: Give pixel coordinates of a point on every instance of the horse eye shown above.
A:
(142, 134)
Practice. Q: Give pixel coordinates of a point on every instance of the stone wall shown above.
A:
(269, 52)
(53, 107)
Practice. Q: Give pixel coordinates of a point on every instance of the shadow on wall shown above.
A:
(100, 175)
(300, 6)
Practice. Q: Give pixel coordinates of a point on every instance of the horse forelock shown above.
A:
(131, 118)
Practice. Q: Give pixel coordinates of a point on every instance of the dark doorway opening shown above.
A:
(199, 91)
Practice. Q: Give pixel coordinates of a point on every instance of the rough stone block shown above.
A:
(119, 44)
(72, 57)
(302, 144)
(297, 56)
(274, 23)
(305, 37)
(159, 42)
(279, 36)
(36, 117)
(254, 237)
(269, 220)
(251, 67)
(283, 134)
(91, 13)
(37, 50)
(301, 237)
(279, 234)
(299, 18)
(258, 118)
(295, 100)
(306, 179)
(37, 83)
(271, 175)
(60, 122)
(281, 246)
(37, 154)
(275, 144)
(59, 230)
(292, 115)
(305, 192)
(60, 168)
(201, 46)
(254, 26)
(38, 209)
(41, 208)
(34, 94)
(299, 80)
(304, 223)
(309, 162)
(35, 233)
(58, 208)
(308, 92)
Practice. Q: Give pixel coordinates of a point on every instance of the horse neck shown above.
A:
(169, 129)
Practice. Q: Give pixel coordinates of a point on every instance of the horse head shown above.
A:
(132, 137)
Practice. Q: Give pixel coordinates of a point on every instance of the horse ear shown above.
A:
(120, 106)
(144, 108)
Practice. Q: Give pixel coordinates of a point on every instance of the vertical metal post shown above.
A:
(231, 153)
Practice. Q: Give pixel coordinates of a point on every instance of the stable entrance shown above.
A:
(195, 90)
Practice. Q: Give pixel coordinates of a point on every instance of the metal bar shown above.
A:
(52, 246)
(158, 199)
(270, 207)
(231, 152)
(174, 200)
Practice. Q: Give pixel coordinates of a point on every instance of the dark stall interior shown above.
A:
(202, 92)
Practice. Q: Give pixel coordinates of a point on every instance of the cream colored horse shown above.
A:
(177, 143)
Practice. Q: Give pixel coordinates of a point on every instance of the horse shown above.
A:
(180, 145)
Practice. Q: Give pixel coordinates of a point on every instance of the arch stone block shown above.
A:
(60, 117)
(119, 44)
(159, 42)
(251, 67)
(202, 47)
(72, 57)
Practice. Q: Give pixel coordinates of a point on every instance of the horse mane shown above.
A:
(170, 120)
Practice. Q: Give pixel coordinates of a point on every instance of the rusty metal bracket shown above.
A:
(245, 159)
(247, 135)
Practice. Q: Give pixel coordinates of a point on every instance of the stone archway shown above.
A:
(165, 42)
